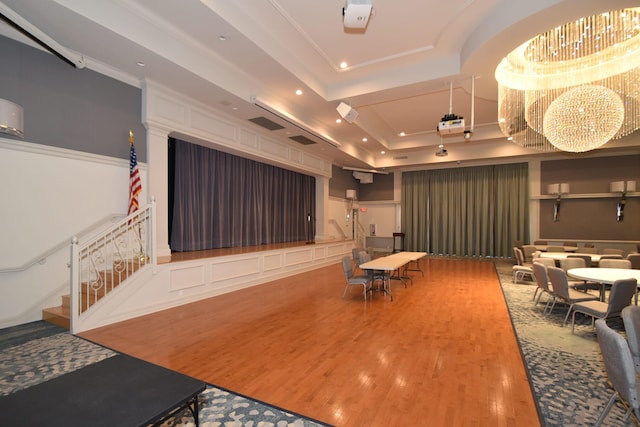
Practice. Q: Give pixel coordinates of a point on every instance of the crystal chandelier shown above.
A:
(575, 87)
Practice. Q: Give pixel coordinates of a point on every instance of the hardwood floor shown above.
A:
(443, 353)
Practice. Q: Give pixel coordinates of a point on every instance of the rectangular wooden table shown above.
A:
(118, 391)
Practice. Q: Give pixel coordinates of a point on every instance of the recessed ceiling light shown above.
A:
(298, 91)
(343, 65)
(364, 139)
(382, 152)
(402, 134)
(338, 120)
(222, 37)
(141, 63)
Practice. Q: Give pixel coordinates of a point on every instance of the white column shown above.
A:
(322, 208)
(158, 159)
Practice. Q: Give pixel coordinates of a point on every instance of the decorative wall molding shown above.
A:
(167, 109)
(47, 150)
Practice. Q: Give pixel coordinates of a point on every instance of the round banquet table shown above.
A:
(543, 248)
(604, 276)
(595, 258)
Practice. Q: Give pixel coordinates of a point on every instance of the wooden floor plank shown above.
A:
(443, 353)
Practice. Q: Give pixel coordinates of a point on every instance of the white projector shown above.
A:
(451, 127)
(356, 13)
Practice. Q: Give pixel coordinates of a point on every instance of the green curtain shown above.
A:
(475, 211)
(415, 203)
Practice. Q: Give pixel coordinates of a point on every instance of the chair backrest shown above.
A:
(571, 262)
(364, 256)
(347, 267)
(635, 261)
(588, 250)
(618, 362)
(528, 251)
(613, 251)
(540, 273)
(518, 255)
(614, 263)
(622, 291)
(547, 262)
(610, 256)
(559, 282)
(555, 248)
(355, 254)
(585, 258)
(589, 245)
(631, 318)
(518, 244)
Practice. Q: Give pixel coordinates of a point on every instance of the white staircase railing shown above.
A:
(99, 265)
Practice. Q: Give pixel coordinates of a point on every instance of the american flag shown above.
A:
(135, 184)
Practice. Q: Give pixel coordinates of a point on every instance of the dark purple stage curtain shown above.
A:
(222, 201)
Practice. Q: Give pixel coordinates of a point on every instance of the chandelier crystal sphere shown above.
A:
(573, 71)
(583, 118)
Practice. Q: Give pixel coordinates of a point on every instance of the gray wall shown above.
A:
(343, 180)
(590, 218)
(65, 107)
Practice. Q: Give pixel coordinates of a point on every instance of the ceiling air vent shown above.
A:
(266, 123)
(302, 140)
(401, 158)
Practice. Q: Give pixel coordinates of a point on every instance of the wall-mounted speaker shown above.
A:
(347, 113)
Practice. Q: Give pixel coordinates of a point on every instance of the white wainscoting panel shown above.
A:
(188, 277)
(224, 269)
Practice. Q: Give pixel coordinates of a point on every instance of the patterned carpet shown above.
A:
(566, 370)
(37, 352)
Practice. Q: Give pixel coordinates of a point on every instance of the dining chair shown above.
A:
(542, 282)
(562, 291)
(528, 251)
(619, 366)
(586, 258)
(635, 261)
(555, 248)
(576, 262)
(373, 275)
(631, 319)
(587, 250)
(520, 270)
(353, 280)
(612, 251)
(588, 245)
(622, 291)
(614, 263)
(356, 257)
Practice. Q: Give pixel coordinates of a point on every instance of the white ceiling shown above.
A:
(398, 77)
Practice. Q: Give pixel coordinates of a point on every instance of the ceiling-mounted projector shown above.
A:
(356, 13)
(451, 125)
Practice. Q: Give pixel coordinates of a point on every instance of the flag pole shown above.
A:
(141, 255)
